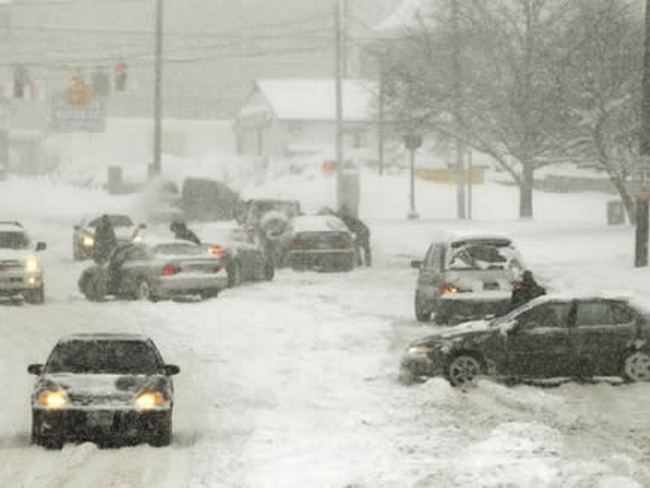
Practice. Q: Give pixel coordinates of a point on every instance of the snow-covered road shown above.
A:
(293, 384)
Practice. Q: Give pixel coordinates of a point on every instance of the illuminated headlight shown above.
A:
(89, 241)
(150, 400)
(423, 350)
(32, 265)
(52, 399)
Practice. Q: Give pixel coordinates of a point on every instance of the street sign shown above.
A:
(78, 118)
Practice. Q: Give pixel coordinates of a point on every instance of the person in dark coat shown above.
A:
(525, 290)
(181, 231)
(105, 240)
(361, 233)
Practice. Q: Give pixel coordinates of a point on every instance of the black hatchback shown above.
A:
(550, 337)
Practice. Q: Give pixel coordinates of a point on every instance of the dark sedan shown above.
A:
(550, 337)
(105, 388)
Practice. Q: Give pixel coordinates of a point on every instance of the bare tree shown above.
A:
(604, 90)
(511, 105)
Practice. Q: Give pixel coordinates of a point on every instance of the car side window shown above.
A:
(136, 254)
(547, 315)
(622, 314)
(593, 314)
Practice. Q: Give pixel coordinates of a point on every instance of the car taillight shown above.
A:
(217, 251)
(448, 288)
(170, 270)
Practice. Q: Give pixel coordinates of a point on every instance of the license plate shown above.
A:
(100, 419)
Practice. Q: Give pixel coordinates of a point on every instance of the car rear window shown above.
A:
(116, 221)
(481, 255)
(104, 357)
(13, 240)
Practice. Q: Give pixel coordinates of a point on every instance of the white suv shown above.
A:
(21, 272)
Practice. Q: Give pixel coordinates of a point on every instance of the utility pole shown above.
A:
(338, 76)
(458, 93)
(469, 185)
(642, 213)
(381, 114)
(158, 102)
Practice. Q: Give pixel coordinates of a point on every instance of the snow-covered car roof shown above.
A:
(318, 223)
(94, 337)
(7, 226)
(458, 235)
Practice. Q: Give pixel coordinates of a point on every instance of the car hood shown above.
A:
(463, 331)
(14, 254)
(89, 390)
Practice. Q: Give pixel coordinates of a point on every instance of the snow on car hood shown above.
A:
(14, 254)
(90, 390)
(475, 327)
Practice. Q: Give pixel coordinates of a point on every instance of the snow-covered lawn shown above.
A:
(293, 383)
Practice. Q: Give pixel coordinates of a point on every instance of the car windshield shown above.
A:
(13, 240)
(116, 221)
(104, 357)
(287, 208)
(482, 255)
(178, 249)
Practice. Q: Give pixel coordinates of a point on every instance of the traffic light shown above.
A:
(21, 80)
(120, 76)
(101, 83)
(79, 94)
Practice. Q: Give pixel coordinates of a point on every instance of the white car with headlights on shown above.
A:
(104, 388)
(21, 272)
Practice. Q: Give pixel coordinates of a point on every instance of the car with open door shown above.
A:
(21, 270)
(83, 235)
(156, 269)
(550, 337)
(465, 276)
(103, 388)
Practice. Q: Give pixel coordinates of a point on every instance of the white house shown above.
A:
(285, 117)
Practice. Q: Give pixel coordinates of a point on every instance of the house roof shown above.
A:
(409, 14)
(314, 99)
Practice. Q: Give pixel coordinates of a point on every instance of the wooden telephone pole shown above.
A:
(641, 239)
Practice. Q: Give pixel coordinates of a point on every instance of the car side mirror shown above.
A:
(35, 369)
(41, 246)
(416, 264)
(171, 369)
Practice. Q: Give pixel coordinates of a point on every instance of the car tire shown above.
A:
(163, 435)
(94, 289)
(35, 297)
(143, 291)
(636, 367)
(422, 310)
(464, 369)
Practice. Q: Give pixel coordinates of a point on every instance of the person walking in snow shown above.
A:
(361, 235)
(182, 232)
(525, 290)
(105, 240)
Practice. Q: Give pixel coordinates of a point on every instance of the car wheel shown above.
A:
(636, 367)
(35, 297)
(94, 289)
(422, 309)
(163, 435)
(234, 275)
(463, 369)
(143, 290)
